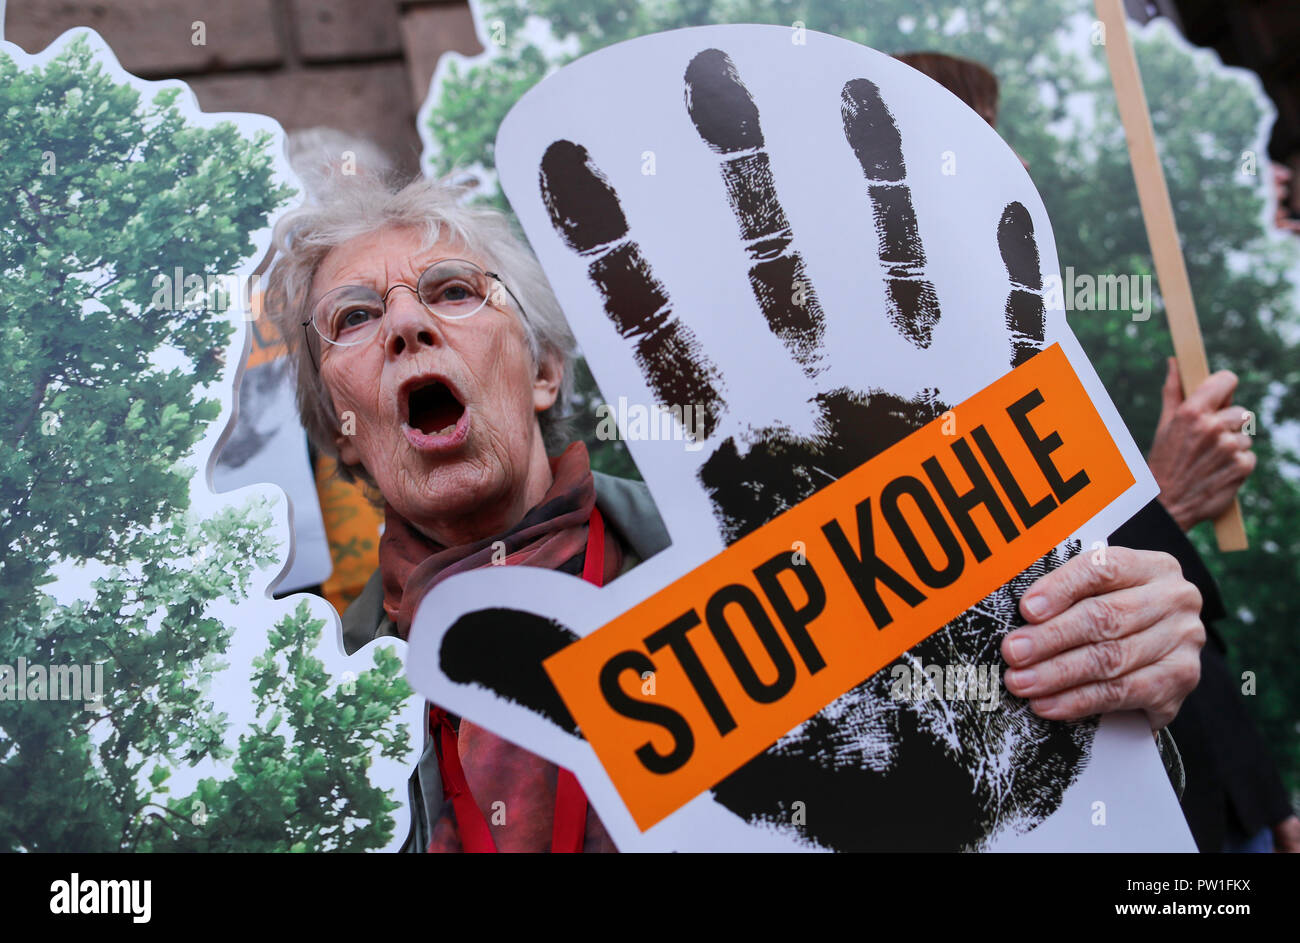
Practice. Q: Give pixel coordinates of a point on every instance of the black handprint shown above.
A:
(1025, 314)
(590, 220)
(912, 305)
(888, 774)
(727, 119)
(751, 482)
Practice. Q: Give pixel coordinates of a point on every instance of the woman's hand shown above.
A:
(1114, 629)
(1201, 454)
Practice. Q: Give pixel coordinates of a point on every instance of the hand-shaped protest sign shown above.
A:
(840, 267)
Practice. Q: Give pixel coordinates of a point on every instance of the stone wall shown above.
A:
(361, 66)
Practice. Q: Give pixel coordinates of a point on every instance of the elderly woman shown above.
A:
(431, 355)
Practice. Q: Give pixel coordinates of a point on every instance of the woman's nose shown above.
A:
(410, 326)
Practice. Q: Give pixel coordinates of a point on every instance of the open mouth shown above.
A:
(433, 409)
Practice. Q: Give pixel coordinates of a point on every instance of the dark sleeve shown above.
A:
(364, 620)
(1232, 785)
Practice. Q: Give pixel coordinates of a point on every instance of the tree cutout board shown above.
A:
(151, 690)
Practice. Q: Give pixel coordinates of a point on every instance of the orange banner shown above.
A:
(687, 686)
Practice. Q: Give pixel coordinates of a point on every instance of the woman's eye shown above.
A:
(354, 317)
(456, 293)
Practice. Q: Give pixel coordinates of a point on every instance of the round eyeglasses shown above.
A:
(452, 289)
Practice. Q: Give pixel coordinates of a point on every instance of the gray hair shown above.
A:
(365, 204)
(323, 157)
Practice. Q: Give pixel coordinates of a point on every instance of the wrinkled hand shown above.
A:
(1200, 456)
(1111, 630)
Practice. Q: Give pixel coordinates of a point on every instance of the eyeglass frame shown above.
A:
(310, 322)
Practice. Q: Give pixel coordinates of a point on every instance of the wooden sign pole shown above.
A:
(1158, 215)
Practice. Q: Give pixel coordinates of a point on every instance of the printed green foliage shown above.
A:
(104, 400)
(300, 774)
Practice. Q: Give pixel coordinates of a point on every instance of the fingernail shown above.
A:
(1034, 606)
(1020, 648)
(1023, 678)
(1045, 705)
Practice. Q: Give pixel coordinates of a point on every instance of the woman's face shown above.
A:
(443, 414)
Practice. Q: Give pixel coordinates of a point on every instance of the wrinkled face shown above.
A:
(445, 411)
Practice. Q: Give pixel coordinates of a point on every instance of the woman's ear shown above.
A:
(347, 449)
(546, 385)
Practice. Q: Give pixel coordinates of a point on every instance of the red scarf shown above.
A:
(553, 535)
(484, 776)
